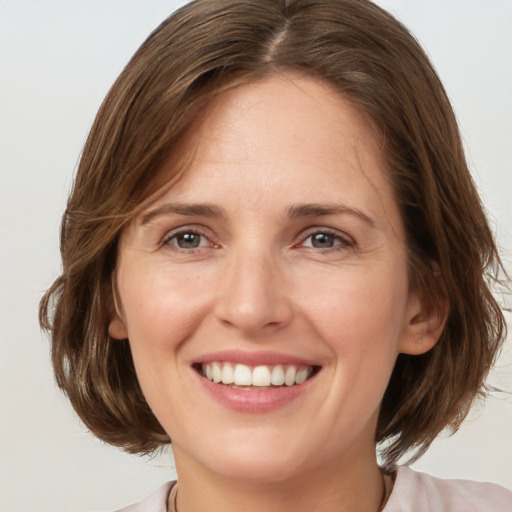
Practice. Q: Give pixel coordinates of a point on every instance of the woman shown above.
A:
(275, 257)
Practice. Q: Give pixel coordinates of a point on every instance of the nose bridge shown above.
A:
(254, 296)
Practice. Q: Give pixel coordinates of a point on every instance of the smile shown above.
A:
(241, 382)
(261, 377)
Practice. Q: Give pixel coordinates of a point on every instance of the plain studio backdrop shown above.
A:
(58, 58)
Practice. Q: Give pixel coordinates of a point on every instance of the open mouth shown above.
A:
(262, 377)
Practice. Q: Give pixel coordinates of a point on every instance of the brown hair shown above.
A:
(370, 58)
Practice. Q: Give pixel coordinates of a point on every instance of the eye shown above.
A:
(187, 240)
(327, 240)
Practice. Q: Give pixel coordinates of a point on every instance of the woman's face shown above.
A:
(279, 256)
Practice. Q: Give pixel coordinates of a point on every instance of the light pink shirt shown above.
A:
(419, 492)
(412, 492)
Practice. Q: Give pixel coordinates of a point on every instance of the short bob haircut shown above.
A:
(203, 49)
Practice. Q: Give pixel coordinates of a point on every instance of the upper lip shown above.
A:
(256, 358)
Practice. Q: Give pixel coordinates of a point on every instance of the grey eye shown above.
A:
(189, 240)
(323, 240)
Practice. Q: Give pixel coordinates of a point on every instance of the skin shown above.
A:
(257, 281)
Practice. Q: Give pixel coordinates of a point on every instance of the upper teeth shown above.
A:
(261, 376)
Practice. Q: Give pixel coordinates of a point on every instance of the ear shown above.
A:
(424, 325)
(116, 328)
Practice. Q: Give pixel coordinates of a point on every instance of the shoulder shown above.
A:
(419, 492)
(155, 502)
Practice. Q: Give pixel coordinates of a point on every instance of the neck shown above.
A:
(334, 487)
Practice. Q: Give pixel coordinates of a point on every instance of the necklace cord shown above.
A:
(387, 487)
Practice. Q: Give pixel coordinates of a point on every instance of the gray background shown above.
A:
(57, 61)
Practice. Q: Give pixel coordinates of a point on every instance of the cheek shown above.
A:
(371, 296)
(161, 312)
(160, 307)
(360, 315)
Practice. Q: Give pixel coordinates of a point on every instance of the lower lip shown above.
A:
(254, 401)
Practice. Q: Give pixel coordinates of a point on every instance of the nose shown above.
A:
(254, 297)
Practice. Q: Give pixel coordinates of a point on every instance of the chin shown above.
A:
(262, 469)
(257, 458)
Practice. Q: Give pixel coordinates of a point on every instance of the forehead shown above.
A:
(284, 139)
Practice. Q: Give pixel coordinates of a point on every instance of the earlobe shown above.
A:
(117, 329)
(424, 327)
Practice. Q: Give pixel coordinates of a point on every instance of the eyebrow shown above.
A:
(295, 211)
(202, 210)
(318, 210)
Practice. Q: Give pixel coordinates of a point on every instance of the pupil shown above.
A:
(322, 240)
(188, 240)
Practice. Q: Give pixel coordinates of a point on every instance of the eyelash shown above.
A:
(341, 241)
